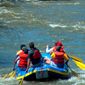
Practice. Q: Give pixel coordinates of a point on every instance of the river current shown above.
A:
(43, 22)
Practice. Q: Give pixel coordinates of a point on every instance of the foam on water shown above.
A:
(8, 81)
(57, 25)
(77, 26)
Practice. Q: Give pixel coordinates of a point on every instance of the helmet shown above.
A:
(58, 43)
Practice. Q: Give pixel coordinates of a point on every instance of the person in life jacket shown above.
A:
(18, 59)
(60, 57)
(34, 55)
(53, 49)
(23, 56)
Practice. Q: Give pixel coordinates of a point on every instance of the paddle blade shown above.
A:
(12, 74)
(21, 81)
(4, 76)
(76, 58)
(80, 65)
(9, 75)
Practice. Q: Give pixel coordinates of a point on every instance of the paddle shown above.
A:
(75, 58)
(21, 81)
(80, 64)
(72, 71)
(9, 75)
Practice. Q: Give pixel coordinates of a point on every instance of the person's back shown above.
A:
(23, 58)
(20, 56)
(59, 58)
(34, 54)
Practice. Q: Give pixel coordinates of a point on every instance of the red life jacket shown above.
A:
(23, 59)
(36, 54)
(59, 58)
(36, 58)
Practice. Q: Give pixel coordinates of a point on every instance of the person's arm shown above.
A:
(15, 61)
(66, 57)
(28, 64)
(47, 60)
(28, 60)
(17, 56)
(48, 50)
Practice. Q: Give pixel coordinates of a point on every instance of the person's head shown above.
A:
(22, 46)
(58, 48)
(31, 45)
(25, 50)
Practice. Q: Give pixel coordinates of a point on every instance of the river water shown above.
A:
(43, 22)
